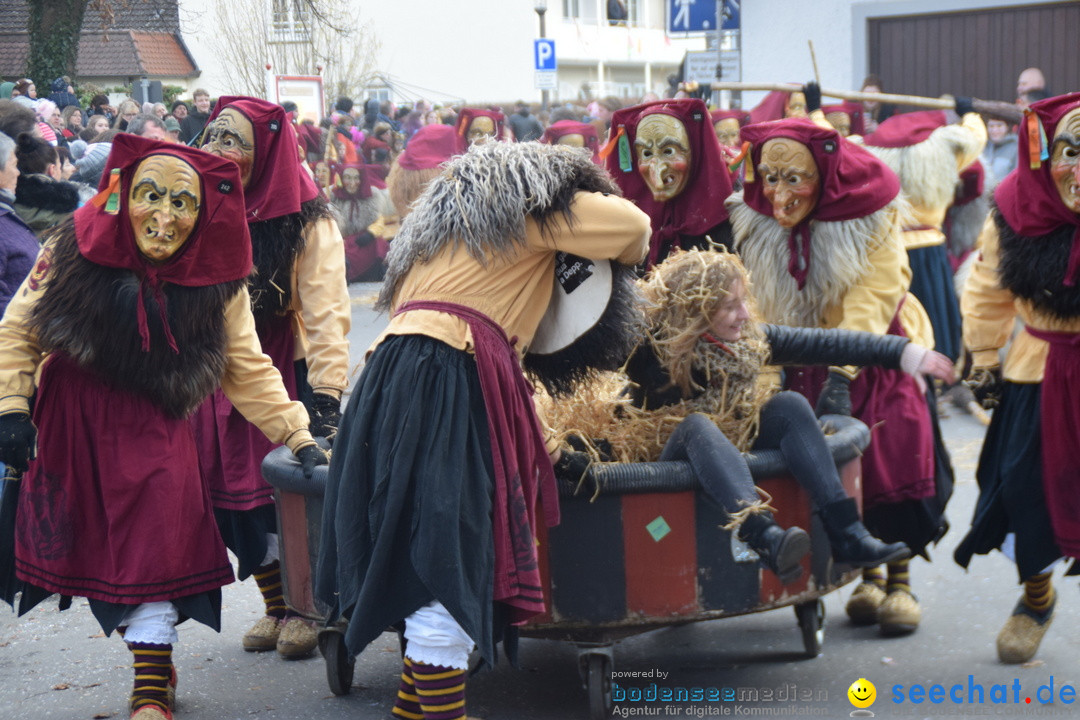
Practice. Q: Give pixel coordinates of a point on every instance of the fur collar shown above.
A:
(839, 259)
(88, 313)
(41, 192)
(482, 200)
(1033, 268)
(927, 170)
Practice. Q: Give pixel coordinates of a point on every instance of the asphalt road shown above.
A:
(58, 665)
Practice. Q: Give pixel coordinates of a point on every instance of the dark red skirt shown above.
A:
(113, 508)
(899, 463)
(231, 449)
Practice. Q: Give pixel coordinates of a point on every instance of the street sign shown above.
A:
(699, 16)
(547, 80)
(701, 66)
(544, 55)
(731, 15)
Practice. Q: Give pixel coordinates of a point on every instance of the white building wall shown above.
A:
(478, 51)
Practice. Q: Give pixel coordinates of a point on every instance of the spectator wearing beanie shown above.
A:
(61, 93)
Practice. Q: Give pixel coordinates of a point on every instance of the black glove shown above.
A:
(325, 413)
(963, 105)
(602, 446)
(986, 384)
(572, 465)
(835, 398)
(310, 456)
(18, 441)
(812, 91)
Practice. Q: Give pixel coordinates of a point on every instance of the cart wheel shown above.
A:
(811, 616)
(598, 681)
(339, 664)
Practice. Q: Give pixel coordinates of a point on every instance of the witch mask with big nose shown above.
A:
(662, 148)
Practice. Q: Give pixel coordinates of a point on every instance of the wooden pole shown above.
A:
(813, 59)
(1006, 111)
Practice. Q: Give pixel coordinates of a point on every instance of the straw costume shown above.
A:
(697, 392)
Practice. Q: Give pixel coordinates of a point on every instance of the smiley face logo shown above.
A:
(862, 693)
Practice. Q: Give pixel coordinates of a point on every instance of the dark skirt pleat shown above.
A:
(1011, 495)
(408, 503)
(932, 283)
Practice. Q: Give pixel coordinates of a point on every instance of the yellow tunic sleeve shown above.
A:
(253, 384)
(20, 353)
(601, 226)
(324, 311)
(989, 310)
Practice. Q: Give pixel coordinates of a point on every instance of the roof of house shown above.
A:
(141, 39)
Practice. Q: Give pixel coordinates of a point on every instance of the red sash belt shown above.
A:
(1060, 419)
(522, 466)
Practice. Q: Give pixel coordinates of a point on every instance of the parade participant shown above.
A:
(665, 157)
(1028, 265)
(818, 227)
(475, 125)
(139, 308)
(927, 153)
(421, 162)
(727, 124)
(780, 104)
(301, 305)
(430, 503)
(358, 206)
(574, 134)
(696, 377)
(846, 117)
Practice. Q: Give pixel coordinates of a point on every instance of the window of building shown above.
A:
(382, 94)
(571, 9)
(290, 20)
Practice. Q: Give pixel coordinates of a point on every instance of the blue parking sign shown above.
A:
(544, 55)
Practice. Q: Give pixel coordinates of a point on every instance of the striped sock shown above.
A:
(268, 578)
(153, 670)
(407, 704)
(874, 576)
(441, 691)
(1039, 592)
(899, 578)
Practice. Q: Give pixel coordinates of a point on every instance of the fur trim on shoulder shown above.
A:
(927, 170)
(839, 259)
(480, 202)
(1033, 268)
(88, 312)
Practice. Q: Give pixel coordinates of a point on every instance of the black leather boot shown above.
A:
(780, 550)
(852, 544)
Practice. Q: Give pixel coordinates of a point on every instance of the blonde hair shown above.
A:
(405, 186)
(683, 294)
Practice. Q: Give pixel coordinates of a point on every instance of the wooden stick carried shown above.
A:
(813, 59)
(1006, 111)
